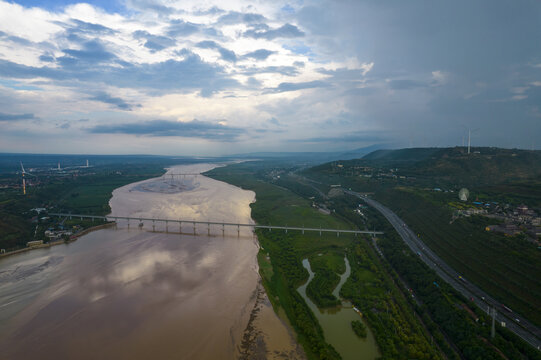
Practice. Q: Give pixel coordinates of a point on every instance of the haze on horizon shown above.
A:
(223, 77)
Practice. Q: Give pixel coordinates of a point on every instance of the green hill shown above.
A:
(445, 166)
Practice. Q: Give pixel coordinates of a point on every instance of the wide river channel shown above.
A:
(129, 292)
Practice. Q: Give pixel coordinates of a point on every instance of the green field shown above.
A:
(282, 272)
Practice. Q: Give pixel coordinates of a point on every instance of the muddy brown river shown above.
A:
(132, 293)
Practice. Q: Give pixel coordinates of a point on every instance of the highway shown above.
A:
(514, 322)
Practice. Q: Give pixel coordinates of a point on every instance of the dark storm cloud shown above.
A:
(285, 31)
(287, 86)
(483, 48)
(108, 99)
(192, 129)
(16, 117)
(260, 54)
(226, 54)
(362, 91)
(405, 84)
(356, 137)
(154, 42)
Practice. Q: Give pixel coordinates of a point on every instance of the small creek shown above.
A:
(336, 322)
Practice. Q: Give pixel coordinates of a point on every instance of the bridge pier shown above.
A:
(223, 229)
(208, 229)
(153, 225)
(166, 226)
(238, 230)
(194, 228)
(180, 226)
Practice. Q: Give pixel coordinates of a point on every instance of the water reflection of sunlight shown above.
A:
(143, 265)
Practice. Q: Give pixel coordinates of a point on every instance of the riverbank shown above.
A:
(267, 336)
(58, 242)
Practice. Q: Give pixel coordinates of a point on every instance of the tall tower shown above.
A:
(24, 181)
(86, 162)
(59, 166)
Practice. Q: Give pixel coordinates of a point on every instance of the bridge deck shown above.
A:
(208, 223)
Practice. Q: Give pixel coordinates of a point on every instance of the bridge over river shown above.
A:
(141, 221)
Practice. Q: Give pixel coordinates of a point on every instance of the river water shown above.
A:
(336, 322)
(132, 293)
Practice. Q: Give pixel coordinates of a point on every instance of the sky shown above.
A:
(223, 77)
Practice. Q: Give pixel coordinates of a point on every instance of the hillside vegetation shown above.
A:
(421, 186)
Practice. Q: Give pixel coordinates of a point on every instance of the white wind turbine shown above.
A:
(24, 180)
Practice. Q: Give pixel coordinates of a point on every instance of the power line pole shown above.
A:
(493, 330)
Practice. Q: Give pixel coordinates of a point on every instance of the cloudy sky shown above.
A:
(220, 77)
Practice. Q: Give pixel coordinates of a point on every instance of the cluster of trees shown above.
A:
(397, 332)
(359, 328)
(326, 267)
(441, 308)
(502, 266)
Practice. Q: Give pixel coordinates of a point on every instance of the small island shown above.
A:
(359, 328)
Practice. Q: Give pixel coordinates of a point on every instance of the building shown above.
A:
(34, 243)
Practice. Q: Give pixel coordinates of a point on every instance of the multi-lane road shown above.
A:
(514, 322)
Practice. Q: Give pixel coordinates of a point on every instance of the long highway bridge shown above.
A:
(513, 321)
(141, 220)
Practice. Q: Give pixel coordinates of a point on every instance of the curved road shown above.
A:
(514, 322)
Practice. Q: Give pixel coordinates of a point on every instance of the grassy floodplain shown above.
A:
(370, 286)
(87, 192)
